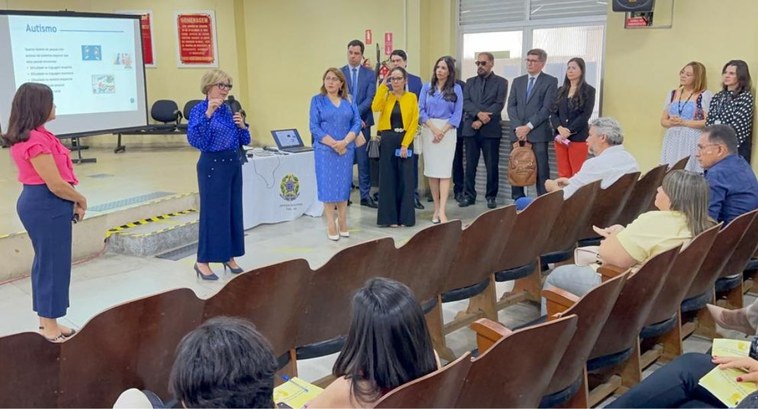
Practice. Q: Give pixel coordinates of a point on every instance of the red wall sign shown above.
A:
(388, 43)
(147, 39)
(195, 39)
(368, 37)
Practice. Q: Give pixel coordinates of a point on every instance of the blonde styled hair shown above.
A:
(343, 92)
(688, 192)
(698, 71)
(212, 78)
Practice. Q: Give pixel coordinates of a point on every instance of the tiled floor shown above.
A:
(111, 279)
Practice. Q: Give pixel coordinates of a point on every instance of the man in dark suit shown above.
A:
(399, 58)
(529, 109)
(361, 83)
(483, 101)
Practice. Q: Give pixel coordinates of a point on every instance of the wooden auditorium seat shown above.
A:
(642, 197)
(470, 275)
(572, 218)
(661, 336)
(680, 164)
(729, 285)
(327, 310)
(514, 368)
(520, 255)
(701, 290)
(608, 204)
(620, 334)
(271, 297)
(423, 264)
(130, 345)
(568, 387)
(438, 389)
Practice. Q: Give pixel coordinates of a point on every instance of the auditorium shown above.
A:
(397, 203)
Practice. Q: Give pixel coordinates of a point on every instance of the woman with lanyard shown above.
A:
(684, 116)
(733, 105)
(398, 121)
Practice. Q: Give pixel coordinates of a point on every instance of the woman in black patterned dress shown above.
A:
(733, 105)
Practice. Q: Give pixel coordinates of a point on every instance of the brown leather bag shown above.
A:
(522, 167)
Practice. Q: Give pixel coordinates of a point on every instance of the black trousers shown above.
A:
(490, 148)
(458, 175)
(543, 170)
(395, 183)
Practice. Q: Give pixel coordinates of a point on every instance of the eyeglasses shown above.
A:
(702, 147)
(396, 79)
(480, 63)
(532, 61)
(223, 86)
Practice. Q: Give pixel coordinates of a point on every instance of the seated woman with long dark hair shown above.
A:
(387, 346)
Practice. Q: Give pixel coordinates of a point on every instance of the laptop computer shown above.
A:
(288, 140)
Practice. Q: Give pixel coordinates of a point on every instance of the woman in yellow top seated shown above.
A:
(387, 346)
(398, 121)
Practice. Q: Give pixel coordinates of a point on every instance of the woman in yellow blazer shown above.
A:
(398, 121)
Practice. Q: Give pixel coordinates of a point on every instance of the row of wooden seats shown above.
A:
(612, 321)
(132, 344)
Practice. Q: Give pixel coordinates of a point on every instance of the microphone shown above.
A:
(235, 105)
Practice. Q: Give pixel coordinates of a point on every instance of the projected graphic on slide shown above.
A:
(87, 62)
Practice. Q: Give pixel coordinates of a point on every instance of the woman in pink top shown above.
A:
(48, 203)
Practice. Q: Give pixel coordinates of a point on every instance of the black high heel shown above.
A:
(211, 277)
(234, 270)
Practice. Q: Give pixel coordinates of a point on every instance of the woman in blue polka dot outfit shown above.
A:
(217, 133)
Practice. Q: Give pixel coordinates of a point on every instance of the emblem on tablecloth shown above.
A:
(289, 187)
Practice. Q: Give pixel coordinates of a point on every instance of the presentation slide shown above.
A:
(92, 62)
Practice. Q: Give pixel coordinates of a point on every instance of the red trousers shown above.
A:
(570, 158)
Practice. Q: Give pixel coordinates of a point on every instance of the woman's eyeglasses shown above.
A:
(223, 86)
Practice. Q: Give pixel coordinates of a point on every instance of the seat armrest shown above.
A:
(488, 332)
(608, 271)
(558, 300)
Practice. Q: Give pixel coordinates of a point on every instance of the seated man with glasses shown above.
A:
(734, 188)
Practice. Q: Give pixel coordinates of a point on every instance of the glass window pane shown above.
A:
(505, 45)
(564, 43)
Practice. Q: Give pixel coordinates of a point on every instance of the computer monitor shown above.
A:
(287, 138)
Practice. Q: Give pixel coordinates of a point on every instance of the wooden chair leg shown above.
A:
(631, 370)
(734, 297)
(581, 397)
(435, 324)
(290, 370)
(485, 302)
(531, 285)
(706, 327)
(672, 341)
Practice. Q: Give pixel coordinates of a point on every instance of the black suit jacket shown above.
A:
(574, 117)
(484, 95)
(535, 110)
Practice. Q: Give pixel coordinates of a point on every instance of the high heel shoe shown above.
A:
(65, 336)
(234, 270)
(211, 277)
(333, 238)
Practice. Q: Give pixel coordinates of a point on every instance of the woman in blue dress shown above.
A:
(335, 124)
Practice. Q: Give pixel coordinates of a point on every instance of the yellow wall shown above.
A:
(276, 51)
(642, 66)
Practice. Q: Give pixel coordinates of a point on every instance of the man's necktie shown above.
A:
(354, 82)
(529, 87)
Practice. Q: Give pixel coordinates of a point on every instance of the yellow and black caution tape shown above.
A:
(146, 221)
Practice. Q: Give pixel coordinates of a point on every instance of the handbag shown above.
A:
(373, 148)
(585, 256)
(418, 147)
(522, 167)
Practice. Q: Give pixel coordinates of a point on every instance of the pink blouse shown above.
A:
(41, 141)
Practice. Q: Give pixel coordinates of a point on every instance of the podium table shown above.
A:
(279, 188)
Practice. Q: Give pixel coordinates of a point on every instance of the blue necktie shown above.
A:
(529, 87)
(354, 82)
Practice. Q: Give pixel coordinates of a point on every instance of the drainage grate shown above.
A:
(128, 201)
(180, 253)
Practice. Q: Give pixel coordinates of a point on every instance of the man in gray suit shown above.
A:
(528, 109)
